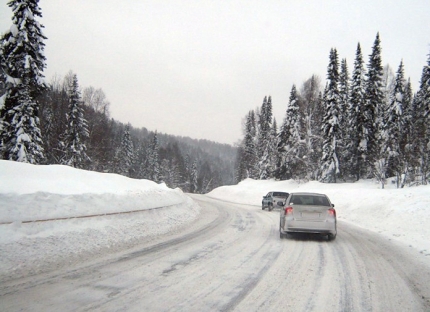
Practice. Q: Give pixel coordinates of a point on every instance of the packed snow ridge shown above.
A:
(56, 215)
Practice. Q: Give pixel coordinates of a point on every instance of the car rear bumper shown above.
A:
(323, 227)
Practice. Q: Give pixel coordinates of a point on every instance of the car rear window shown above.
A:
(309, 200)
(280, 194)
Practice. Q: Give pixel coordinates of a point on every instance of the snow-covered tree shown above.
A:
(73, 140)
(273, 148)
(194, 175)
(125, 155)
(394, 128)
(22, 62)
(372, 111)
(249, 147)
(290, 145)
(354, 118)
(330, 128)
(153, 165)
(265, 139)
(344, 94)
(422, 123)
(311, 115)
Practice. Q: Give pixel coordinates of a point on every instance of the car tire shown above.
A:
(331, 237)
(270, 207)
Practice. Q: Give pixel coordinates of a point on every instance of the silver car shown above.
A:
(272, 199)
(308, 213)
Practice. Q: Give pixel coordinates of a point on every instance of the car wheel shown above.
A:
(262, 207)
(331, 237)
(270, 207)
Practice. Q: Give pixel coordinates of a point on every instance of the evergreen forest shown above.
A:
(63, 123)
(366, 123)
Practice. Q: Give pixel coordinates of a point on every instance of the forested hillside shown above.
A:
(366, 125)
(61, 122)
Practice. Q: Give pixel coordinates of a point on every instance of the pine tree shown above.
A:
(125, 155)
(194, 176)
(406, 145)
(264, 139)
(311, 114)
(343, 137)
(422, 123)
(273, 148)
(73, 141)
(372, 111)
(355, 121)
(249, 147)
(290, 144)
(240, 169)
(22, 63)
(394, 127)
(153, 165)
(330, 127)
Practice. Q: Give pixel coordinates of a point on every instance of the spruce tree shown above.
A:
(372, 111)
(264, 139)
(330, 128)
(355, 118)
(406, 144)
(125, 155)
(240, 169)
(73, 140)
(273, 148)
(22, 63)
(394, 127)
(290, 144)
(344, 134)
(311, 112)
(153, 165)
(194, 176)
(422, 123)
(249, 147)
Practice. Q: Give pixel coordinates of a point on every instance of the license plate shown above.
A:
(310, 215)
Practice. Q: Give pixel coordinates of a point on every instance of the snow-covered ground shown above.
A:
(81, 211)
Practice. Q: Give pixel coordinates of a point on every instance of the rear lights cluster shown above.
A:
(332, 212)
(288, 210)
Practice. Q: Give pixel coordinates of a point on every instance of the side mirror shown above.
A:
(332, 205)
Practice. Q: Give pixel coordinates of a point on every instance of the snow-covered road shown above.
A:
(231, 258)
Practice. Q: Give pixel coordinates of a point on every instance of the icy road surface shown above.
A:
(232, 259)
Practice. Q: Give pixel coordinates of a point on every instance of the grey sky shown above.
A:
(195, 68)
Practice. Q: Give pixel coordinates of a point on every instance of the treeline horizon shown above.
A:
(364, 125)
(61, 123)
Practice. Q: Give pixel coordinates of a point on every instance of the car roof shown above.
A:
(307, 193)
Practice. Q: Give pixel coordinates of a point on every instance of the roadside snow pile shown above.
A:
(82, 206)
(400, 214)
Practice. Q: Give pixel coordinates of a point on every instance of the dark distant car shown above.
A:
(272, 198)
(308, 213)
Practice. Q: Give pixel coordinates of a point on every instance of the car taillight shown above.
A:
(332, 212)
(288, 210)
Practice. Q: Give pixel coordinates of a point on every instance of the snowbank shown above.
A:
(82, 211)
(400, 214)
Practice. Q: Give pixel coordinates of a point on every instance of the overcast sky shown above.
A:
(195, 68)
